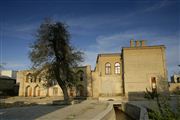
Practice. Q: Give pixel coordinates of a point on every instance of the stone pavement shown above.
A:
(84, 111)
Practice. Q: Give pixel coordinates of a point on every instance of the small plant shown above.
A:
(164, 111)
(150, 95)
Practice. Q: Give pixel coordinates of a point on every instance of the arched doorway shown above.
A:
(55, 91)
(28, 91)
(80, 91)
(36, 91)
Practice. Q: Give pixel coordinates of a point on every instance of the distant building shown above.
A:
(116, 75)
(175, 78)
(174, 85)
(10, 73)
(8, 83)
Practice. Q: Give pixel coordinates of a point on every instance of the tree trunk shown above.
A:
(65, 93)
(62, 85)
(47, 92)
(64, 90)
(57, 71)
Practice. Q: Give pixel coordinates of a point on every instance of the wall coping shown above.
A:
(143, 112)
(104, 113)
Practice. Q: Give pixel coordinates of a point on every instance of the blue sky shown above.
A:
(99, 26)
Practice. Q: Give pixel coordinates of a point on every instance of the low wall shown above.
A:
(108, 114)
(135, 111)
(174, 87)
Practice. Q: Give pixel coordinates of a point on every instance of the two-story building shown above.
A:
(116, 75)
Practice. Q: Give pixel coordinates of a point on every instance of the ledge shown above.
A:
(107, 114)
(137, 112)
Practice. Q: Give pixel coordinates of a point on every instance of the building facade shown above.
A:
(34, 84)
(131, 72)
(9, 73)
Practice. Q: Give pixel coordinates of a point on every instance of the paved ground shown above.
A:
(83, 111)
(41, 100)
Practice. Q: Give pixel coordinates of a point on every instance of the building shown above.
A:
(174, 85)
(107, 76)
(7, 86)
(9, 73)
(116, 75)
(33, 84)
(144, 67)
(175, 78)
(8, 83)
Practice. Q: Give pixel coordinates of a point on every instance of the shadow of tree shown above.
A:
(23, 111)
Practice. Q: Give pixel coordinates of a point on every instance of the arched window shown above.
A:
(178, 80)
(54, 82)
(107, 68)
(117, 68)
(81, 75)
(39, 79)
(29, 78)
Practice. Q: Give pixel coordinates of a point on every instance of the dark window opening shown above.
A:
(178, 80)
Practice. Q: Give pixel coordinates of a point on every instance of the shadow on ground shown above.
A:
(22, 111)
(28, 112)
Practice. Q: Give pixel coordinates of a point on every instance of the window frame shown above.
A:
(107, 68)
(29, 78)
(118, 68)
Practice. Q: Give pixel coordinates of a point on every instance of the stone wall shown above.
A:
(140, 64)
(106, 85)
(174, 87)
(108, 114)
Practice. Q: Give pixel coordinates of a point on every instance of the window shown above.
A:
(107, 68)
(29, 78)
(80, 75)
(117, 68)
(55, 91)
(178, 80)
(34, 80)
(54, 82)
(39, 79)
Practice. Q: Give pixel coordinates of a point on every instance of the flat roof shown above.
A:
(107, 54)
(6, 77)
(145, 47)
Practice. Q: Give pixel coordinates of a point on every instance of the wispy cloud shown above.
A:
(158, 5)
(15, 65)
(114, 43)
(23, 31)
(96, 20)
